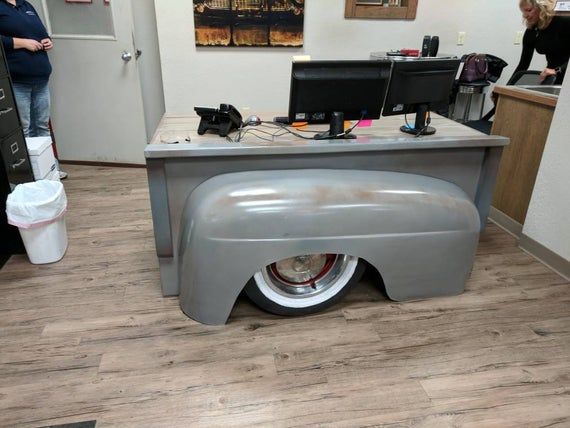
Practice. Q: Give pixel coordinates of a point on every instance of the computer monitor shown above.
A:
(420, 86)
(334, 91)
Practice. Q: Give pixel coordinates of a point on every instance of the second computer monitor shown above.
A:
(354, 88)
(419, 87)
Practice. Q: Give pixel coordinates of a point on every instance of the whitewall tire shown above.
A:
(304, 284)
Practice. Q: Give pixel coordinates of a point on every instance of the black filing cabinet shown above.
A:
(15, 167)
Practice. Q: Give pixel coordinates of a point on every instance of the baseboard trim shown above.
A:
(506, 223)
(548, 257)
(96, 163)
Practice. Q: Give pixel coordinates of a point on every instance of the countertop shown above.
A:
(526, 94)
(384, 134)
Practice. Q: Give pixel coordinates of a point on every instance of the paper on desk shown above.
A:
(365, 123)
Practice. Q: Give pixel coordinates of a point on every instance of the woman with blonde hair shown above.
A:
(548, 34)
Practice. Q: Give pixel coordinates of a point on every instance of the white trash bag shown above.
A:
(38, 209)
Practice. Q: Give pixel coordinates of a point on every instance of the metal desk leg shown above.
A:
(467, 108)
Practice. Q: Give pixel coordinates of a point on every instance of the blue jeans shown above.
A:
(33, 104)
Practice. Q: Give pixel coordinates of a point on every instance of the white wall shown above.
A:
(259, 77)
(548, 217)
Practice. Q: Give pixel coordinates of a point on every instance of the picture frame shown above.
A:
(377, 9)
(562, 7)
(249, 23)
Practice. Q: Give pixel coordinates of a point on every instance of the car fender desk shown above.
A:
(411, 207)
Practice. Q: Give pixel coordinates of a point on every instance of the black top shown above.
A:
(553, 41)
(22, 21)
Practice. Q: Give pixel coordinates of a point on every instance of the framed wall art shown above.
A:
(249, 22)
(381, 9)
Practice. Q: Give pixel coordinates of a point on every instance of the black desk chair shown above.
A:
(526, 77)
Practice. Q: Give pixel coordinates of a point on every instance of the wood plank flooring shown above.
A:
(91, 338)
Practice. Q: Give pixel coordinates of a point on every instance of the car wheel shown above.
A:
(304, 284)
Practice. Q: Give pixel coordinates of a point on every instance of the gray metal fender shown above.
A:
(421, 233)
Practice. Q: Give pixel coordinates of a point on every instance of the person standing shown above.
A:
(26, 43)
(548, 35)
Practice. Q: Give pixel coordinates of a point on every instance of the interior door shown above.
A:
(97, 108)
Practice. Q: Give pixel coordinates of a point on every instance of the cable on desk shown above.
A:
(421, 131)
(426, 126)
(283, 130)
(296, 127)
(242, 134)
(342, 134)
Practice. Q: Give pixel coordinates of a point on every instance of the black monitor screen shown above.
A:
(355, 88)
(413, 83)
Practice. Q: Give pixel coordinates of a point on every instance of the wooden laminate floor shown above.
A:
(91, 338)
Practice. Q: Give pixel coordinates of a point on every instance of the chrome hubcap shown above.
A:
(301, 269)
(305, 275)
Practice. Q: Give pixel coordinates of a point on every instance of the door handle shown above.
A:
(126, 56)
(19, 163)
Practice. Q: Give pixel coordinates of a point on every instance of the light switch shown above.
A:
(461, 38)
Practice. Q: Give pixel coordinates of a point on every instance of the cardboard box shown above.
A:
(41, 156)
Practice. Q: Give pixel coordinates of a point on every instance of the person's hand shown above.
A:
(28, 44)
(47, 44)
(547, 72)
(32, 45)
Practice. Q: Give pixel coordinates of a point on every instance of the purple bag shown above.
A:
(475, 68)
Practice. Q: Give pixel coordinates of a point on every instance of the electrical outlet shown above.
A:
(518, 37)
(461, 38)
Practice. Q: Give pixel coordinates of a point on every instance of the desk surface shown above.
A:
(384, 134)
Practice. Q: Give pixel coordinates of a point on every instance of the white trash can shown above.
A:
(38, 210)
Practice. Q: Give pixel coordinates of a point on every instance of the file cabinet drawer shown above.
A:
(9, 120)
(16, 160)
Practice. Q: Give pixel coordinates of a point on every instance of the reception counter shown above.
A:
(524, 116)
